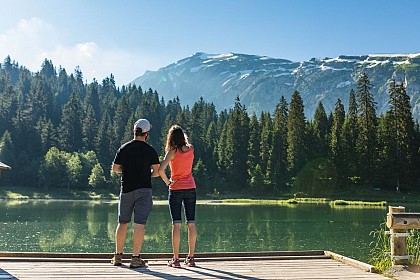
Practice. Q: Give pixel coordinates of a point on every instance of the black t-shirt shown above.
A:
(136, 157)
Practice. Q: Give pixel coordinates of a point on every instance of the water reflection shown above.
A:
(63, 226)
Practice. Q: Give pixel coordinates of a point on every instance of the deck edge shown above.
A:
(352, 262)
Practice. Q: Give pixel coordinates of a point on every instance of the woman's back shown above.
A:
(181, 168)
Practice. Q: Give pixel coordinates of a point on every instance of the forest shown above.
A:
(58, 131)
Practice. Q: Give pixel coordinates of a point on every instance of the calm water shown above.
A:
(63, 226)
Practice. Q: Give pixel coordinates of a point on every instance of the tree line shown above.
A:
(60, 131)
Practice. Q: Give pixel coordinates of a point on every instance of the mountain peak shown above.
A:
(260, 81)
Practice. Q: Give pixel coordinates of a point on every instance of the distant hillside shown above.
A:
(259, 81)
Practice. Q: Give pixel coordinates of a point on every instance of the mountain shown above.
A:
(260, 81)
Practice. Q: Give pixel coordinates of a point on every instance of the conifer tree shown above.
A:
(47, 134)
(211, 150)
(237, 137)
(278, 154)
(7, 155)
(349, 135)
(367, 140)
(92, 99)
(70, 130)
(320, 133)
(336, 145)
(197, 128)
(265, 142)
(63, 89)
(402, 122)
(337, 126)
(120, 119)
(296, 135)
(89, 129)
(254, 155)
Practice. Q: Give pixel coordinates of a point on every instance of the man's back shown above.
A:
(136, 157)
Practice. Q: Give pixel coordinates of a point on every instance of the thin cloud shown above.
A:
(33, 40)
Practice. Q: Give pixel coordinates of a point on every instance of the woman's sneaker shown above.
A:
(189, 261)
(174, 263)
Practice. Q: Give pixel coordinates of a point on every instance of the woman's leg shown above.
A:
(175, 204)
(176, 239)
(190, 198)
(192, 237)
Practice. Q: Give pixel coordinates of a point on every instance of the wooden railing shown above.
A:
(399, 222)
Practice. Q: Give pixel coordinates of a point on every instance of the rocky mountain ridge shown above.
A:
(260, 81)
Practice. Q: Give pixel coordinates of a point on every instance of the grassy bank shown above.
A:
(353, 197)
(339, 202)
(22, 193)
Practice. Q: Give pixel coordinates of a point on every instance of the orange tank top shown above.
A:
(181, 170)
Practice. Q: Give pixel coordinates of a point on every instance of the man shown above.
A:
(138, 162)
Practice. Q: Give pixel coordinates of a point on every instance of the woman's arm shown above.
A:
(169, 155)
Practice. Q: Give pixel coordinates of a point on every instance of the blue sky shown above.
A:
(126, 38)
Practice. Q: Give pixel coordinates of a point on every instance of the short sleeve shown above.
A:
(117, 159)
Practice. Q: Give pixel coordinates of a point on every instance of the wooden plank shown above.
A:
(159, 255)
(231, 269)
(403, 220)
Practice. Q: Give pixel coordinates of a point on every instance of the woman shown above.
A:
(179, 156)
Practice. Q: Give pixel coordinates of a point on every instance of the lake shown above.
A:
(80, 226)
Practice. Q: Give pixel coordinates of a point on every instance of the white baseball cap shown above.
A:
(143, 124)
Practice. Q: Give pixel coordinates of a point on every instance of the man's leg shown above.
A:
(120, 235)
(138, 238)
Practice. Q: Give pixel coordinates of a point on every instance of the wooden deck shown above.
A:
(241, 266)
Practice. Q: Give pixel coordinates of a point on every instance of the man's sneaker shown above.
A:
(137, 262)
(174, 263)
(117, 259)
(189, 261)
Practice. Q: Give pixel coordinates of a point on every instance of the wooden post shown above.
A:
(398, 243)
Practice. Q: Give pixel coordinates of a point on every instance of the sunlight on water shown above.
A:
(63, 226)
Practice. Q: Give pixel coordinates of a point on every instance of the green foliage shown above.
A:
(318, 176)
(296, 135)
(58, 131)
(380, 248)
(97, 178)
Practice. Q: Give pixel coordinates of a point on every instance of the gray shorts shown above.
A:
(140, 201)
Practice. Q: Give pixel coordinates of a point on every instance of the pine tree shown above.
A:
(349, 135)
(211, 150)
(265, 142)
(296, 129)
(320, 133)
(254, 155)
(278, 154)
(402, 122)
(89, 129)
(47, 134)
(70, 131)
(337, 126)
(197, 128)
(237, 137)
(120, 119)
(336, 146)
(7, 155)
(366, 142)
(93, 99)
